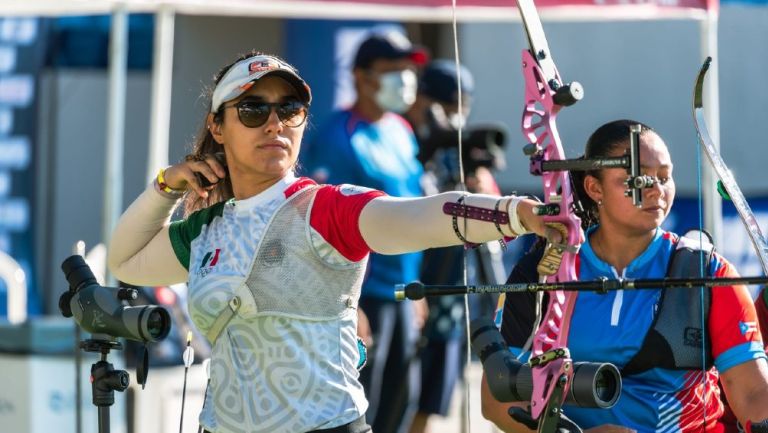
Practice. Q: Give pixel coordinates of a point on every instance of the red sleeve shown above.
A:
(761, 307)
(732, 318)
(335, 215)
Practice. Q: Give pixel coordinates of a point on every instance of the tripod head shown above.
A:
(105, 380)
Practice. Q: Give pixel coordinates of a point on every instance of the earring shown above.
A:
(600, 203)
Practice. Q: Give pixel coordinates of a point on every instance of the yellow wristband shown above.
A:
(164, 186)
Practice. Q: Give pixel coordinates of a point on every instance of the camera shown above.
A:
(481, 146)
(99, 310)
(594, 385)
(484, 147)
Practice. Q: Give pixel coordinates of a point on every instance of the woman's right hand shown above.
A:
(181, 176)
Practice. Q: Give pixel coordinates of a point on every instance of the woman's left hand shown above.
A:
(526, 211)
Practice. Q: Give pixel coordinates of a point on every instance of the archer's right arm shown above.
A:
(140, 250)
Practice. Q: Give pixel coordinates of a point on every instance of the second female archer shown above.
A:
(654, 337)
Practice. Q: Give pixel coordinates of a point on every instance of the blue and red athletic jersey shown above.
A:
(612, 327)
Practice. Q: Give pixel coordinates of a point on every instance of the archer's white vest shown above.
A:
(286, 360)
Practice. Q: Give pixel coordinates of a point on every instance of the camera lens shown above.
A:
(595, 385)
(158, 323)
(148, 323)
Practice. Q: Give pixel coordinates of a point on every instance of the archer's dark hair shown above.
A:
(607, 140)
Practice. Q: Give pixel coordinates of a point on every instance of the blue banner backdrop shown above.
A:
(22, 48)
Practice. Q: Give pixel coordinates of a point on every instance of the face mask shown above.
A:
(445, 120)
(397, 91)
(457, 121)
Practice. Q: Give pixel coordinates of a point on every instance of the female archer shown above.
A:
(638, 331)
(275, 262)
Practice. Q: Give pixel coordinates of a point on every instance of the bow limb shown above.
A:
(545, 95)
(726, 177)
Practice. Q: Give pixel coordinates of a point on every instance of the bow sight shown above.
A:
(635, 182)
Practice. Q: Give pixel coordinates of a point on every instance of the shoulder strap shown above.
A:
(222, 320)
(676, 336)
(692, 255)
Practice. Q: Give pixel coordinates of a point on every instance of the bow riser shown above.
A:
(539, 127)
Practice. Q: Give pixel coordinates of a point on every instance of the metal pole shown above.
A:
(113, 175)
(162, 78)
(12, 274)
(713, 211)
(79, 249)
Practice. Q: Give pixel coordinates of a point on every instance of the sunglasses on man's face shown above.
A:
(254, 114)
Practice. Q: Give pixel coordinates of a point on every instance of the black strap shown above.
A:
(675, 338)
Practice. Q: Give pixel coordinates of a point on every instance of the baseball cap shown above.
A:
(439, 81)
(241, 76)
(391, 45)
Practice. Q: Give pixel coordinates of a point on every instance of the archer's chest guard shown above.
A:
(676, 338)
(297, 273)
(285, 352)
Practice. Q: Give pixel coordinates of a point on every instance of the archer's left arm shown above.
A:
(738, 349)
(392, 225)
(746, 386)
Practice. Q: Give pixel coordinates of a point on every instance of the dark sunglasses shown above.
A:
(254, 114)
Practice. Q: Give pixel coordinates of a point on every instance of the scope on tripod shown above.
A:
(99, 310)
(594, 385)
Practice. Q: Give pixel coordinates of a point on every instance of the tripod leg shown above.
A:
(103, 419)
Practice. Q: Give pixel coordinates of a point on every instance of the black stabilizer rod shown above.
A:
(416, 290)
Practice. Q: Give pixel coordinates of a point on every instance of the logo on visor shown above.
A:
(262, 65)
